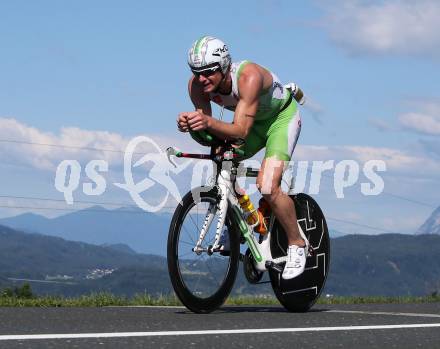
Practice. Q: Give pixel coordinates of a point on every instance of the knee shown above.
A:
(269, 180)
(269, 192)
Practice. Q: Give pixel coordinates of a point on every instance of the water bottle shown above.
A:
(248, 208)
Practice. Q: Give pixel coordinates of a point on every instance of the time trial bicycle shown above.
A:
(203, 273)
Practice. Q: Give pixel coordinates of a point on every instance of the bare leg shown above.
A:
(269, 184)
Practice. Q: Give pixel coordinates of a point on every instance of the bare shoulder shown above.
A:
(251, 71)
(251, 78)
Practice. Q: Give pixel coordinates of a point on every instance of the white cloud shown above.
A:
(397, 161)
(33, 152)
(26, 145)
(382, 27)
(425, 121)
(47, 158)
(380, 124)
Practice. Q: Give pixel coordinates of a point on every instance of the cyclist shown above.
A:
(265, 116)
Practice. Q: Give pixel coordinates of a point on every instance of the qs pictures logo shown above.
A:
(68, 173)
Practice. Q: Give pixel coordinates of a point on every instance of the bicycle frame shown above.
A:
(225, 182)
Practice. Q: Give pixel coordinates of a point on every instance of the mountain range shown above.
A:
(388, 264)
(123, 251)
(143, 232)
(432, 224)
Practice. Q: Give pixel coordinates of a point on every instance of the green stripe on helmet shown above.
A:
(198, 45)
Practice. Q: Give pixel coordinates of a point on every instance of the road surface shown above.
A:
(336, 326)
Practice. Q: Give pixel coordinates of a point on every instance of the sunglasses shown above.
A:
(206, 73)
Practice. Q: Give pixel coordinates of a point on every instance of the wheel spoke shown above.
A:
(192, 219)
(206, 263)
(217, 257)
(189, 235)
(197, 283)
(186, 254)
(187, 243)
(211, 272)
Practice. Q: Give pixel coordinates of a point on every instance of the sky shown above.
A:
(96, 74)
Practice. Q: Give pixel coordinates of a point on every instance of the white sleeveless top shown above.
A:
(271, 100)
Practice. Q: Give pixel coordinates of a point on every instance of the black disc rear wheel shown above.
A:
(299, 294)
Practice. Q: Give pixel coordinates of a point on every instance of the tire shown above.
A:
(202, 283)
(301, 293)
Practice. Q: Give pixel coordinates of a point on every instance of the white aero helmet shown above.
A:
(209, 53)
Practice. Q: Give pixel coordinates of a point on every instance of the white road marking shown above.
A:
(211, 332)
(382, 313)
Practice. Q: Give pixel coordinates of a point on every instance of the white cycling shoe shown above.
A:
(296, 259)
(296, 262)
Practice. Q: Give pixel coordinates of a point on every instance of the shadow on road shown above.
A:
(251, 309)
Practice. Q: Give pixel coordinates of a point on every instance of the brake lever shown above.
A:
(172, 152)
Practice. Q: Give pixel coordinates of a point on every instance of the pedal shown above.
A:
(274, 266)
(251, 273)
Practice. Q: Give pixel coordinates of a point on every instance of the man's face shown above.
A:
(209, 80)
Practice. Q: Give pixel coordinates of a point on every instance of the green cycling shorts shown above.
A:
(278, 134)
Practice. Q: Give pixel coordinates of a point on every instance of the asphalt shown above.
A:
(391, 325)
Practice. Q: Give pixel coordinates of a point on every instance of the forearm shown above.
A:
(225, 130)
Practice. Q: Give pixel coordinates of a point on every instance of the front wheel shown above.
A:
(299, 294)
(201, 282)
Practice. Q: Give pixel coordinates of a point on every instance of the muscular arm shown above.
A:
(250, 85)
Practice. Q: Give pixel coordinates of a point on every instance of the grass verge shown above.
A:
(108, 299)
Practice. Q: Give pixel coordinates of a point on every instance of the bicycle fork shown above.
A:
(198, 249)
(222, 209)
